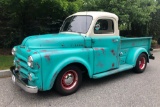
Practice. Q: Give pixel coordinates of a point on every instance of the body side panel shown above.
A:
(106, 52)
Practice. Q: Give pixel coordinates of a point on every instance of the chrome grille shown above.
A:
(22, 66)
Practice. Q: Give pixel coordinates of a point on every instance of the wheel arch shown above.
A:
(79, 62)
(134, 54)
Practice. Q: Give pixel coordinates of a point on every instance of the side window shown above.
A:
(104, 26)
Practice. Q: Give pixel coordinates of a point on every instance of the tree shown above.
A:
(134, 14)
(154, 25)
(30, 17)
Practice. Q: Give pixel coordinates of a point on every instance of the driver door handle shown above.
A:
(115, 40)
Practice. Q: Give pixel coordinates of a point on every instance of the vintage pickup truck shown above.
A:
(88, 42)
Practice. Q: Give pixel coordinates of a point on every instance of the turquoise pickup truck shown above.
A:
(88, 42)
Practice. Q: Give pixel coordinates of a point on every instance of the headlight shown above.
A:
(13, 51)
(32, 77)
(30, 62)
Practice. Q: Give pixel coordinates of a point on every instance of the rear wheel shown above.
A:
(141, 63)
(69, 80)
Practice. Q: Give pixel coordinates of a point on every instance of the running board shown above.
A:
(120, 69)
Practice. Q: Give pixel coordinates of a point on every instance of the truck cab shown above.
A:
(88, 42)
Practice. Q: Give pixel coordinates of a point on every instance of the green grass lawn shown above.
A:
(6, 61)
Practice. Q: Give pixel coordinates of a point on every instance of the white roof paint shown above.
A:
(96, 14)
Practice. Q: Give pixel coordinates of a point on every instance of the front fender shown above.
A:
(133, 55)
(63, 64)
(54, 61)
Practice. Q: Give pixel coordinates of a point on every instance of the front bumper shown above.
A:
(21, 83)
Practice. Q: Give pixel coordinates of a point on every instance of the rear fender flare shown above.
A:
(134, 54)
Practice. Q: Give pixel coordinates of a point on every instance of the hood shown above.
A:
(60, 40)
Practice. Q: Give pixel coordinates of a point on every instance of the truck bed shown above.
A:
(129, 43)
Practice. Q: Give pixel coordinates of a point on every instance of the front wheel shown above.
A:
(141, 63)
(69, 80)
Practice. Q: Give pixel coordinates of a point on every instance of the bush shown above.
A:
(154, 43)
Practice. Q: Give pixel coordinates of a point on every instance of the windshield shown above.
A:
(78, 24)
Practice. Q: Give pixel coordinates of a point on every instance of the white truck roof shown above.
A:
(96, 14)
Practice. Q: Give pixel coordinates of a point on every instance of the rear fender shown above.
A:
(134, 54)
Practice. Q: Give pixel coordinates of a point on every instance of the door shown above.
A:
(106, 46)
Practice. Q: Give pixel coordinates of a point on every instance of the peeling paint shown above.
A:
(100, 64)
(28, 50)
(47, 57)
(35, 53)
(112, 65)
(43, 51)
(103, 51)
(96, 48)
(113, 52)
(133, 44)
(48, 41)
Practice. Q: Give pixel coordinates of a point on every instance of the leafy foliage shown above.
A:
(154, 24)
(134, 15)
(21, 18)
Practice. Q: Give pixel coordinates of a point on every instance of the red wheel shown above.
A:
(141, 63)
(68, 80)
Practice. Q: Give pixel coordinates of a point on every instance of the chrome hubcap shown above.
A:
(68, 80)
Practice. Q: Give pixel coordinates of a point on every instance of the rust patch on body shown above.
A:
(48, 41)
(113, 52)
(102, 49)
(38, 66)
(133, 44)
(100, 64)
(112, 65)
(43, 51)
(35, 53)
(96, 48)
(47, 57)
